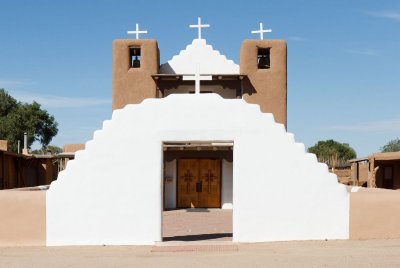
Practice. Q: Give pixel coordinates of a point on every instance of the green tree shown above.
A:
(17, 117)
(332, 152)
(391, 146)
(52, 149)
(7, 103)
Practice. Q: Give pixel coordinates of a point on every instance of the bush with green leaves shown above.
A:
(391, 146)
(332, 152)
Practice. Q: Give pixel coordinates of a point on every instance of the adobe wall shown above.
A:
(266, 87)
(72, 148)
(3, 145)
(18, 171)
(343, 175)
(374, 214)
(23, 218)
(363, 172)
(133, 85)
(1, 170)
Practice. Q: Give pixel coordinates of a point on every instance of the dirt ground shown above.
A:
(372, 253)
(201, 238)
(197, 224)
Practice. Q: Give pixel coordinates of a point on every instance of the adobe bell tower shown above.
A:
(133, 63)
(265, 64)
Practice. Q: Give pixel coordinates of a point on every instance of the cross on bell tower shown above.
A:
(261, 31)
(199, 26)
(137, 31)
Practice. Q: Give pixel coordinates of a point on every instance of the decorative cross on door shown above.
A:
(209, 178)
(188, 177)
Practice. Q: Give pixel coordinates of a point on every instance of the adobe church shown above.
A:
(197, 131)
(200, 174)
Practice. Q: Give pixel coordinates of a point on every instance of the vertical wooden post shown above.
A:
(49, 171)
(19, 184)
(370, 182)
(353, 173)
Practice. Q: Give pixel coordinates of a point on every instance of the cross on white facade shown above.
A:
(199, 26)
(137, 31)
(197, 77)
(261, 31)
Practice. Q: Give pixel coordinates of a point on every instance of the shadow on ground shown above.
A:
(197, 237)
(197, 210)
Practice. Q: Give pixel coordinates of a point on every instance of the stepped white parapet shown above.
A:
(112, 192)
(199, 55)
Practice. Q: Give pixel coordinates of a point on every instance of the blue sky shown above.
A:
(343, 58)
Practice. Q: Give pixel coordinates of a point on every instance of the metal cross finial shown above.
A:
(199, 26)
(137, 32)
(261, 31)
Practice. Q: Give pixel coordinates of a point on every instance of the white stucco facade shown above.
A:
(170, 179)
(199, 57)
(112, 192)
(227, 185)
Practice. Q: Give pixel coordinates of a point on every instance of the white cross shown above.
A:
(197, 77)
(199, 26)
(261, 31)
(137, 32)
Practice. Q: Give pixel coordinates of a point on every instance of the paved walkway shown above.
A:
(197, 225)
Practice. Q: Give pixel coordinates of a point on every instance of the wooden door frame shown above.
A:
(178, 175)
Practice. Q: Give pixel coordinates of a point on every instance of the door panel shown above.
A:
(199, 183)
(188, 176)
(211, 182)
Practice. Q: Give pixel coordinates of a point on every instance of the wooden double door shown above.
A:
(199, 183)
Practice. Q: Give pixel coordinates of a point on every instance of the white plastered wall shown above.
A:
(170, 184)
(112, 192)
(199, 57)
(227, 185)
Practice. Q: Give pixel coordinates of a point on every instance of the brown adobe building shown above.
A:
(262, 79)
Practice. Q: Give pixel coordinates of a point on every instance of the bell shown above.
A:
(263, 62)
(136, 63)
